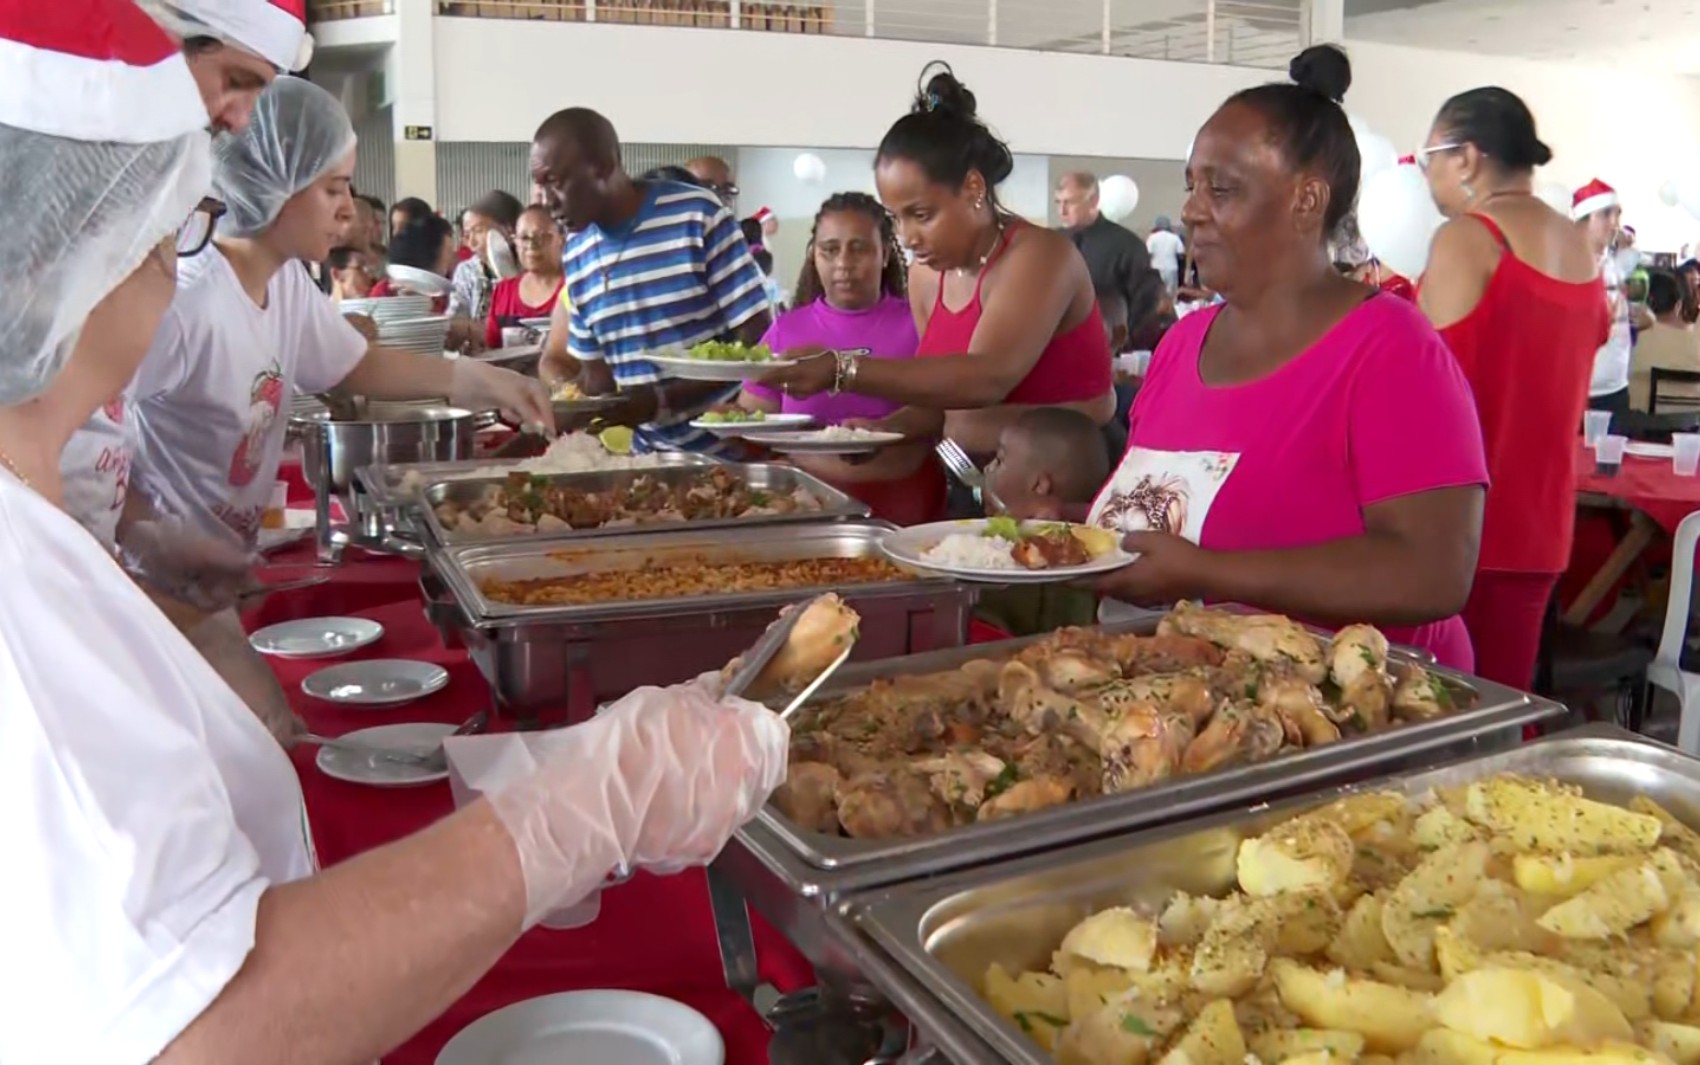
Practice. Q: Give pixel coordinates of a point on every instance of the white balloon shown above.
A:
(1555, 194)
(1118, 195)
(1377, 154)
(1397, 218)
(1687, 182)
(1669, 193)
(809, 168)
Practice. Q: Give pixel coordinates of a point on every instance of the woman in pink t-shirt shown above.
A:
(850, 294)
(1309, 445)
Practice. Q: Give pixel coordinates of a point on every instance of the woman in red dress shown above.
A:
(534, 293)
(1514, 290)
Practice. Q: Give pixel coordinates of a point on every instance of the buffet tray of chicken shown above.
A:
(979, 753)
(562, 621)
(523, 505)
(1538, 906)
(403, 484)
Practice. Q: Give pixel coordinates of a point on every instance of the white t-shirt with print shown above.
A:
(146, 808)
(209, 406)
(95, 467)
(1611, 362)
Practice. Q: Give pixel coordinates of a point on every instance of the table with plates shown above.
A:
(654, 934)
(1625, 518)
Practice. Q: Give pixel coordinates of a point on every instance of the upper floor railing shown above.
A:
(1257, 33)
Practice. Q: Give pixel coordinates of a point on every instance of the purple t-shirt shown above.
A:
(887, 329)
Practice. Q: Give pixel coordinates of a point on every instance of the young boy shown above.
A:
(1049, 459)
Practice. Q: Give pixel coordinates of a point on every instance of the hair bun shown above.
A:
(1542, 154)
(1323, 69)
(942, 92)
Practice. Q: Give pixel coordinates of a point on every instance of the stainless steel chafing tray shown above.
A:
(571, 657)
(763, 477)
(789, 874)
(402, 484)
(945, 933)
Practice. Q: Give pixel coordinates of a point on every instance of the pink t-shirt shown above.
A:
(1375, 410)
(887, 330)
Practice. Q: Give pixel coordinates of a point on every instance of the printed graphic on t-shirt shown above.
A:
(1163, 491)
(265, 400)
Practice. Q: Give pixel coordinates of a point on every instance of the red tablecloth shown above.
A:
(654, 934)
(1649, 485)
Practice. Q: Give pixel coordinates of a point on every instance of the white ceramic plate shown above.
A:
(767, 424)
(813, 443)
(420, 281)
(413, 736)
(398, 308)
(907, 546)
(627, 1027)
(536, 323)
(376, 682)
(316, 637)
(688, 369)
(1649, 451)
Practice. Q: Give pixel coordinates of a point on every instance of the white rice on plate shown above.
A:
(971, 551)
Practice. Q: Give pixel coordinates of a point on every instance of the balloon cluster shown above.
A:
(1396, 215)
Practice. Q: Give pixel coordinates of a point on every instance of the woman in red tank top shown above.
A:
(1006, 310)
(1514, 290)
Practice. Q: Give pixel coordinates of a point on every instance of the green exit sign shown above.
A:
(417, 133)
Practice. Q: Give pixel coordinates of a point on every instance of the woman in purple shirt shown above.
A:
(851, 294)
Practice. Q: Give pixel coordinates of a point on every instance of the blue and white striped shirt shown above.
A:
(678, 273)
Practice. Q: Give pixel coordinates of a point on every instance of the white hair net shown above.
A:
(298, 133)
(76, 219)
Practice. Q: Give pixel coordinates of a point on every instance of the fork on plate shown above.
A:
(962, 467)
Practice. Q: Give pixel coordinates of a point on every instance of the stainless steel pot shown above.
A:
(333, 449)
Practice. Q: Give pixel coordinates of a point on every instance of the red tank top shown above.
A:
(1527, 349)
(1073, 368)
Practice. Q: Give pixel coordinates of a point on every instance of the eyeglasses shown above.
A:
(1424, 154)
(196, 232)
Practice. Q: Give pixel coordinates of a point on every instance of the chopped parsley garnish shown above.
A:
(1136, 1026)
(1368, 656)
(1008, 778)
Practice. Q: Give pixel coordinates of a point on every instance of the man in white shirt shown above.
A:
(1597, 212)
(1167, 250)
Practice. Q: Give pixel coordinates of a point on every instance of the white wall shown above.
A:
(497, 79)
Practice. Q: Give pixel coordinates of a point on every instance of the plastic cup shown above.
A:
(275, 514)
(1595, 424)
(1687, 458)
(1608, 454)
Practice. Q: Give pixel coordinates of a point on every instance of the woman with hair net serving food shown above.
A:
(248, 329)
(163, 903)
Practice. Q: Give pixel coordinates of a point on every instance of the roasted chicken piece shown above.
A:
(1027, 700)
(1025, 796)
(898, 801)
(808, 797)
(960, 777)
(1420, 696)
(1300, 708)
(1357, 660)
(1239, 731)
(1063, 757)
(1188, 693)
(1075, 671)
(1044, 550)
(1266, 637)
(1144, 744)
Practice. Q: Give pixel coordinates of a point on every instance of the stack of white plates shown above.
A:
(394, 308)
(422, 335)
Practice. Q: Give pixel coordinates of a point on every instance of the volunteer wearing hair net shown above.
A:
(162, 900)
(248, 330)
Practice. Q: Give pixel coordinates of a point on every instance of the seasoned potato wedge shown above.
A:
(1522, 1008)
(1213, 1038)
(1542, 819)
(1391, 1019)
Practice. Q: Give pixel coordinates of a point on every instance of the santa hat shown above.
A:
(1596, 195)
(94, 70)
(274, 30)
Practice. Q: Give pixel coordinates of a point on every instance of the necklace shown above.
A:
(6, 460)
(997, 238)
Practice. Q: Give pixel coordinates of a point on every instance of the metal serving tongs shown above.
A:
(765, 648)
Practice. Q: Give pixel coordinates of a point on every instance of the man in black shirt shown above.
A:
(1117, 259)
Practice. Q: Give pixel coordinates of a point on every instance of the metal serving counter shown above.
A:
(537, 657)
(944, 933)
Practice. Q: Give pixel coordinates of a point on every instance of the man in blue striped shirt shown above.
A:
(648, 265)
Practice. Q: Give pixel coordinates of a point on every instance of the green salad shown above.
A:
(733, 417)
(731, 351)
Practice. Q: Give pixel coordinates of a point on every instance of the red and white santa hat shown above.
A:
(94, 70)
(1596, 195)
(274, 30)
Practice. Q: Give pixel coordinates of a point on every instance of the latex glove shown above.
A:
(661, 778)
(521, 400)
(207, 569)
(225, 646)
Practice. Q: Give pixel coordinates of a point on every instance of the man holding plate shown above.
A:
(649, 266)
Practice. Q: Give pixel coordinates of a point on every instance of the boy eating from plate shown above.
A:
(1050, 461)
